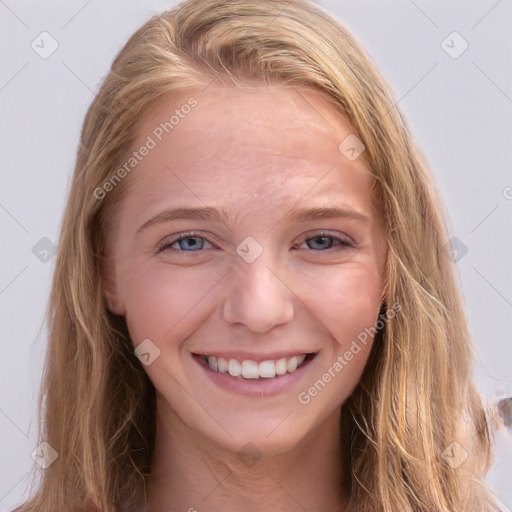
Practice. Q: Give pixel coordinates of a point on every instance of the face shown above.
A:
(247, 242)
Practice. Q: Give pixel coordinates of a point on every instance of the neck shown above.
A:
(193, 474)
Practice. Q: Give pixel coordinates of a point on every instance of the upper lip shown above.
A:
(251, 356)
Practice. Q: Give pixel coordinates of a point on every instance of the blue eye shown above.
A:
(191, 242)
(324, 241)
(188, 242)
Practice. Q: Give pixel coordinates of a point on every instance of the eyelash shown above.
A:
(344, 242)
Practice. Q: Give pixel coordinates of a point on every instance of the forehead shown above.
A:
(242, 143)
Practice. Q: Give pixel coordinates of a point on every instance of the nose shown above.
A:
(257, 297)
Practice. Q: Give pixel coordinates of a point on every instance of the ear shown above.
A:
(110, 286)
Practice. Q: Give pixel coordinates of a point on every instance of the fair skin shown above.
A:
(260, 153)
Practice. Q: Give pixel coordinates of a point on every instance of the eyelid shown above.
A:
(314, 233)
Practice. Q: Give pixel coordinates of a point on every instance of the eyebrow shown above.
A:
(327, 212)
(221, 215)
(207, 213)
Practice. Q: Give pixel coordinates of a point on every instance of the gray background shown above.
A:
(460, 110)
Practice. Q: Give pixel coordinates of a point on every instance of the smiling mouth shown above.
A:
(250, 369)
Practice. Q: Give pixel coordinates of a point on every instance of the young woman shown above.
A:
(253, 307)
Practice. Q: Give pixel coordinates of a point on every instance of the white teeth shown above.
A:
(267, 369)
(281, 366)
(291, 364)
(222, 365)
(234, 368)
(250, 369)
(300, 359)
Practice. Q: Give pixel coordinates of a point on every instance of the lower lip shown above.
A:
(259, 388)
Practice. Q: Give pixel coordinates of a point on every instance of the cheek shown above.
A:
(347, 305)
(159, 300)
(346, 301)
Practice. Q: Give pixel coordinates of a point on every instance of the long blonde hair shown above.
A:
(416, 400)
